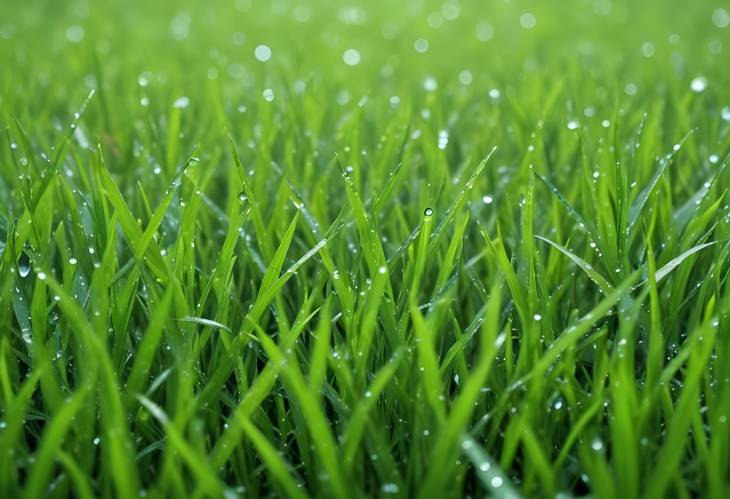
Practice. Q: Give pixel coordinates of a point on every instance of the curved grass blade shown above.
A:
(603, 285)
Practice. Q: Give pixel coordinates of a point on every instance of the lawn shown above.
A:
(364, 249)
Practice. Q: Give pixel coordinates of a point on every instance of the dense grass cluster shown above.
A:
(397, 249)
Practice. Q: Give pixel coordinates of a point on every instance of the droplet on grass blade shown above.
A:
(466, 77)
(428, 212)
(181, 102)
(484, 32)
(443, 140)
(430, 84)
(596, 444)
(23, 265)
(528, 20)
(390, 488)
(351, 57)
(421, 45)
(262, 53)
(698, 84)
(720, 18)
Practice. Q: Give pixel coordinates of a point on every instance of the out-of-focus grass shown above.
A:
(364, 249)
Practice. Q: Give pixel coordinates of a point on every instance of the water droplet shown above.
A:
(268, 94)
(421, 45)
(41, 276)
(382, 269)
(23, 265)
(390, 488)
(181, 102)
(487, 199)
(647, 49)
(484, 466)
(596, 444)
(465, 77)
(720, 18)
(242, 197)
(430, 84)
(528, 20)
(484, 32)
(351, 57)
(428, 212)
(262, 53)
(496, 482)
(698, 84)
(537, 317)
(443, 140)
(75, 34)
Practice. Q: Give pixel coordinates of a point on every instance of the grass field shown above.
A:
(375, 249)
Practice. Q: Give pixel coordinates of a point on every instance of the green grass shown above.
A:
(487, 259)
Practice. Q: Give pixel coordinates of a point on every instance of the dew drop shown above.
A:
(528, 20)
(390, 488)
(596, 444)
(351, 57)
(181, 102)
(24, 265)
(262, 53)
(698, 84)
(721, 18)
(430, 84)
(443, 139)
(421, 45)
